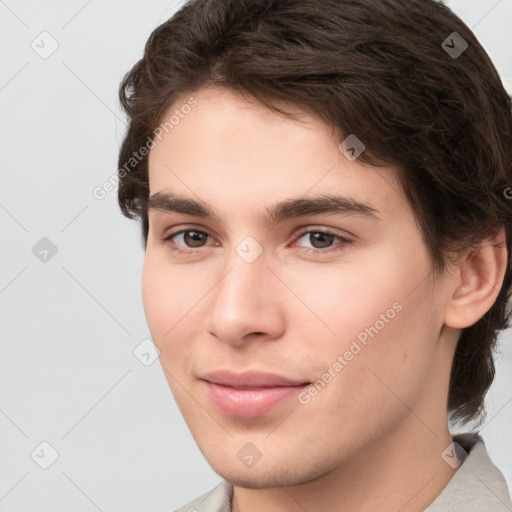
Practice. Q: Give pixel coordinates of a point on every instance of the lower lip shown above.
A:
(249, 403)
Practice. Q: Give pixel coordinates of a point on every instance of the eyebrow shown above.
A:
(278, 212)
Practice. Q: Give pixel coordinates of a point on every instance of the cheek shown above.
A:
(377, 333)
(166, 307)
(367, 288)
(374, 386)
(171, 299)
(164, 298)
(154, 298)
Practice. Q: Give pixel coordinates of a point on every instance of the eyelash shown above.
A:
(343, 241)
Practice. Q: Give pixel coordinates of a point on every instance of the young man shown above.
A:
(324, 190)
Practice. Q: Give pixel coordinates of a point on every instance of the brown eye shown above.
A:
(322, 241)
(192, 238)
(195, 239)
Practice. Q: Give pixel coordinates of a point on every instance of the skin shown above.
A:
(372, 438)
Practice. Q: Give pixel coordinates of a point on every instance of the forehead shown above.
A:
(232, 149)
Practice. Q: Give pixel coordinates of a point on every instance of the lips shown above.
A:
(250, 394)
(250, 379)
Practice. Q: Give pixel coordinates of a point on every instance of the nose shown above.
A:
(246, 302)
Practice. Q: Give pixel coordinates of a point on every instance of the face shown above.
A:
(286, 333)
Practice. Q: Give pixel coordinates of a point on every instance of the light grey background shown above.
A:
(68, 374)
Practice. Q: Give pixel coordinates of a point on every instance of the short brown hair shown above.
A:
(379, 70)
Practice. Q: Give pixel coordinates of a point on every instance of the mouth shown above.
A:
(250, 394)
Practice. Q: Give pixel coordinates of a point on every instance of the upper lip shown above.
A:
(250, 379)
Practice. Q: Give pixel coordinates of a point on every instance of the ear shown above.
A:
(476, 285)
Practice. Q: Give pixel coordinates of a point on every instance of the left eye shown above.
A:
(319, 236)
(194, 238)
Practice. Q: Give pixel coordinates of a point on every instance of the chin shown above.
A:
(267, 475)
(260, 480)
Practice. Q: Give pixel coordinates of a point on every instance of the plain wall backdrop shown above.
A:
(71, 313)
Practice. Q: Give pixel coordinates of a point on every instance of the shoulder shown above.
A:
(217, 499)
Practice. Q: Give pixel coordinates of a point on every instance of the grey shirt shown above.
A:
(476, 486)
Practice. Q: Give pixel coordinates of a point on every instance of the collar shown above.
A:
(477, 485)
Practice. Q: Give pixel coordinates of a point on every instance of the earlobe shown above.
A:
(477, 284)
